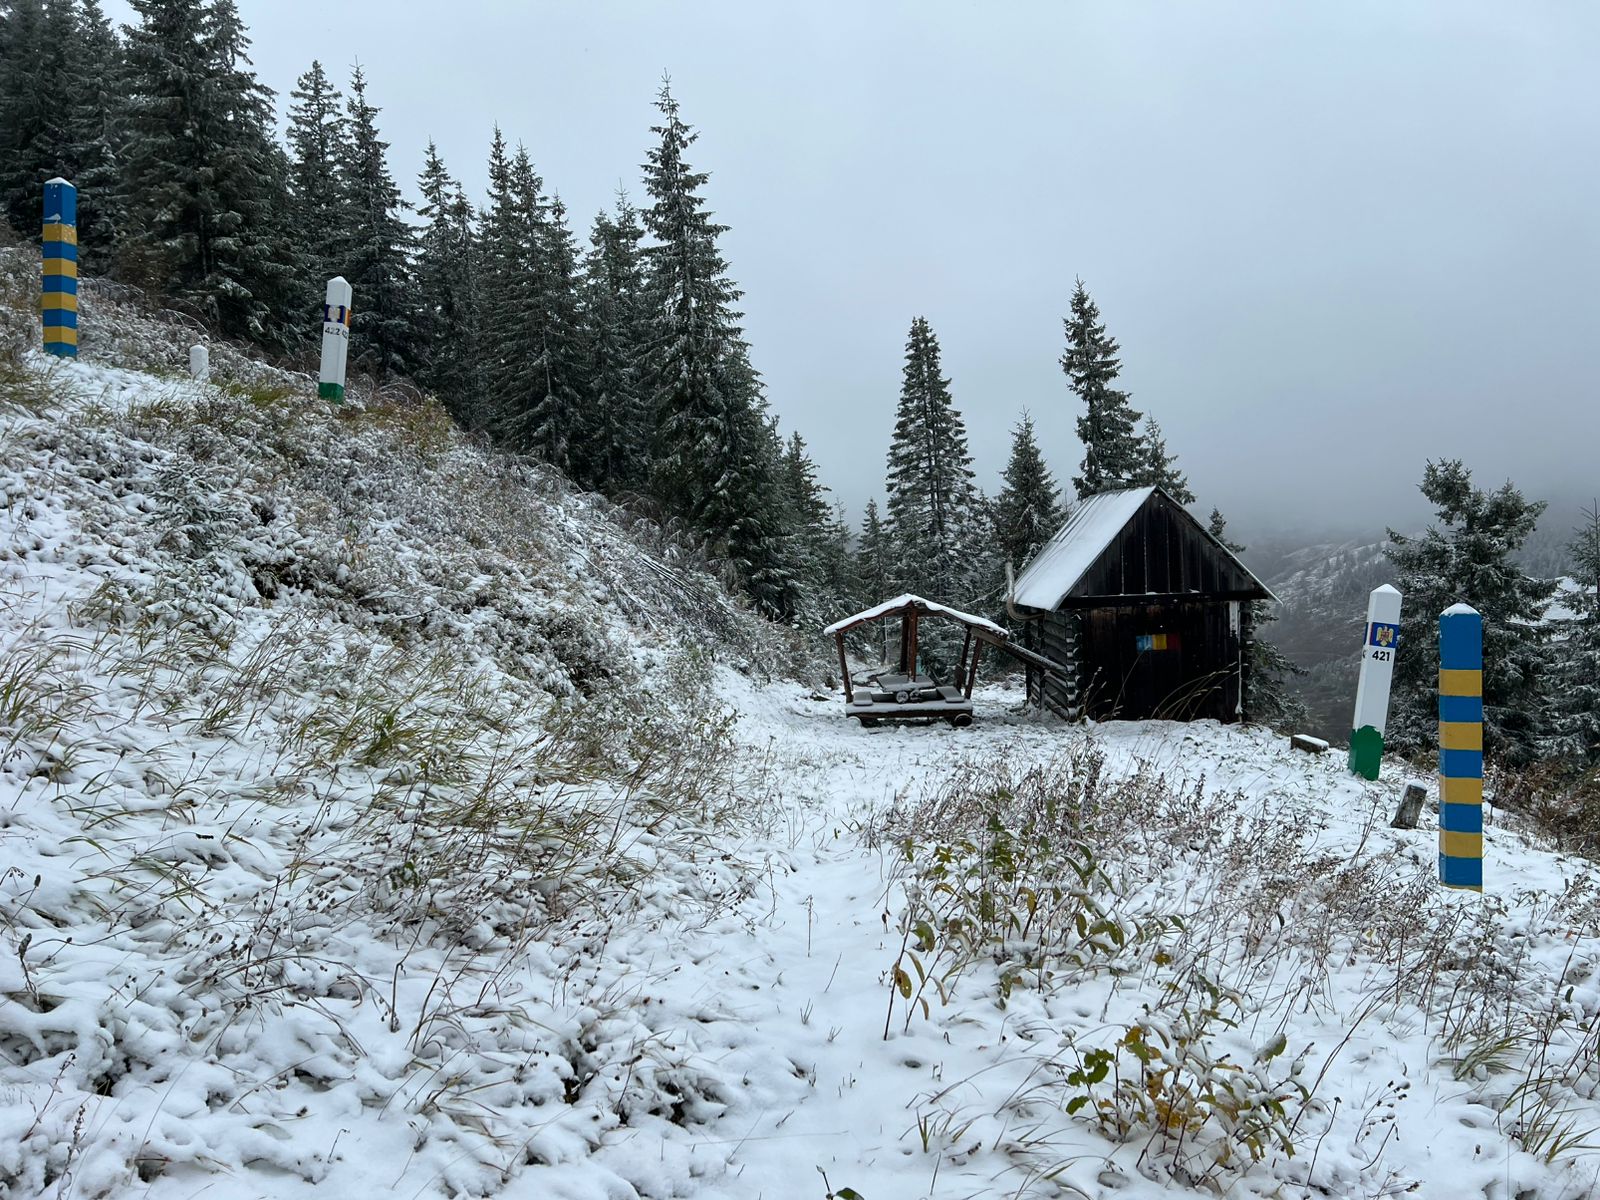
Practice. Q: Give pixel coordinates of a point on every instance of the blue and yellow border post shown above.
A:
(58, 303)
(1461, 748)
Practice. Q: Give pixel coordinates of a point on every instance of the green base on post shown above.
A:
(331, 391)
(1366, 751)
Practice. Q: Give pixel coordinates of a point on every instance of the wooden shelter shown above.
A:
(1148, 612)
(903, 692)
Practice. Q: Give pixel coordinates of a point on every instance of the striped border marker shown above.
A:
(1461, 748)
(58, 303)
(335, 340)
(1378, 646)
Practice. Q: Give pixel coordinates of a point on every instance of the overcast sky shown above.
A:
(1334, 240)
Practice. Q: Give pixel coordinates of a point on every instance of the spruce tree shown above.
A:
(529, 318)
(1027, 511)
(203, 180)
(1113, 455)
(530, 327)
(321, 208)
(613, 337)
(715, 452)
(92, 128)
(446, 292)
(60, 63)
(505, 246)
(838, 586)
(1577, 694)
(553, 424)
(36, 42)
(1268, 696)
(1159, 469)
(929, 477)
(1467, 558)
(378, 249)
(876, 572)
(815, 536)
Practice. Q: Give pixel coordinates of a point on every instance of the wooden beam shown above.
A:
(911, 660)
(966, 648)
(844, 667)
(972, 675)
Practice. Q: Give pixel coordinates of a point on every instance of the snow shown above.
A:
(1089, 529)
(234, 964)
(1567, 601)
(899, 602)
(1459, 610)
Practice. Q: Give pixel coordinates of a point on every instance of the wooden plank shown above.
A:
(922, 708)
(844, 667)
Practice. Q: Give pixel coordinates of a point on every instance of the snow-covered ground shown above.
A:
(361, 837)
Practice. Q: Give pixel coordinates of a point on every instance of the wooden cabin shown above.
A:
(1148, 612)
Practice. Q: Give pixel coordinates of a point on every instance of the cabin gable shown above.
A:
(1149, 611)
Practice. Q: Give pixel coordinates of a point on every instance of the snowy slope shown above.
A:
(366, 830)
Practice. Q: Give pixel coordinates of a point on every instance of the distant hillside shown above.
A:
(1323, 589)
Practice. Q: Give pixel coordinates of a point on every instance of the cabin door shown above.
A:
(1165, 662)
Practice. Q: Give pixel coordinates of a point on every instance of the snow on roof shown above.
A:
(899, 602)
(1056, 569)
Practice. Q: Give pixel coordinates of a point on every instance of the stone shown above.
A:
(1410, 810)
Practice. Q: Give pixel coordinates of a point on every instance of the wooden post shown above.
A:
(1378, 645)
(335, 340)
(1461, 748)
(972, 674)
(58, 305)
(911, 663)
(905, 641)
(966, 646)
(844, 668)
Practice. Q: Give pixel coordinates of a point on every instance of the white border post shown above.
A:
(1379, 641)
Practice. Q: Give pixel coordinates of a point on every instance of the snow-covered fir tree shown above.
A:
(92, 124)
(316, 181)
(203, 181)
(1577, 691)
(942, 534)
(505, 246)
(1158, 468)
(529, 316)
(613, 336)
(1113, 454)
(59, 66)
(377, 254)
(876, 573)
(716, 454)
(1468, 558)
(1027, 512)
(822, 559)
(447, 292)
(1268, 697)
(556, 419)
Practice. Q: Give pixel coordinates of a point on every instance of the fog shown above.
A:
(1333, 240)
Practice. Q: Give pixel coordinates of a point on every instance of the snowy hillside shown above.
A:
(378, 817)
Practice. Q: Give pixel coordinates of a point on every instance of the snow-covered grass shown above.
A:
(380, 817)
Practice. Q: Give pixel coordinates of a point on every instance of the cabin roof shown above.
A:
(901, 603)
(1066, 565)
